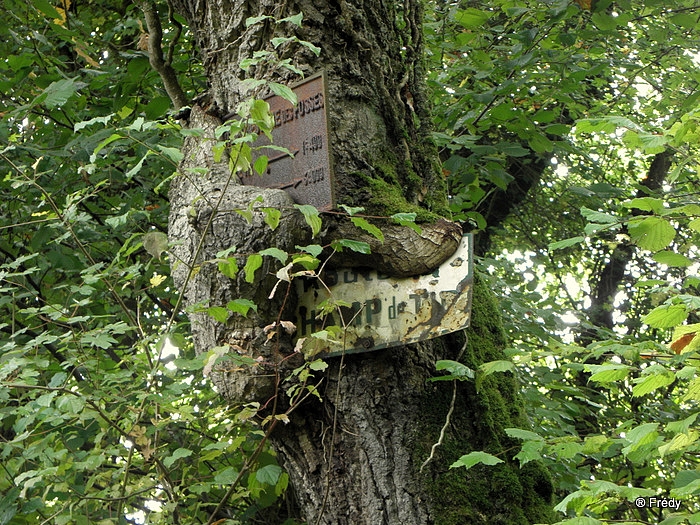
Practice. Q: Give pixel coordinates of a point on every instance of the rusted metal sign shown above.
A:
(303, 130)
(382, 312)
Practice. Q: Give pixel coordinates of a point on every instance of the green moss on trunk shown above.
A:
(501, 494)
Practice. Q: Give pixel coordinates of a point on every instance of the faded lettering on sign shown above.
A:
(305, 172)
(378, 311)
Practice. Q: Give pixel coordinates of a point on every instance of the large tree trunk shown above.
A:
(354, 458)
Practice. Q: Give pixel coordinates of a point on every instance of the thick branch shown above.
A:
(155, 54)
(609, 279)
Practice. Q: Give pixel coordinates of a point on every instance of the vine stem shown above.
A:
(449, 413)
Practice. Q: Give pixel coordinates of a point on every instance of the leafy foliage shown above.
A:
(568, 134)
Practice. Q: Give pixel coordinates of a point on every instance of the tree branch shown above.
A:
(155, 55)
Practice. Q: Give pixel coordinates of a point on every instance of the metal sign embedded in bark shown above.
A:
(381, 312)
(303, 130)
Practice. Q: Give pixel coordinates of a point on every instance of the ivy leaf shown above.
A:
(474, 458)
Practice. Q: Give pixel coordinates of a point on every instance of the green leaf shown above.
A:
(639, 436)
(229, 267)
(679, 442)
(646, 204)
(356, 246)
(251, 266)
(278, 254)
(525, 435)
(471, 18)
(272, 217)
(45, 7)
(262, 118)
(651, 233)
(293, 19)
(311, 216)
(668, 258)
(219, 313)
(474, 458)
(313, 249)
(604, 124)
(242, 306)
(407, 219)
(58, 93)
(135, 169)
(350, 210)
(178, 454)
(368, 227)
(226, 476)
(558, 245)
(174, 154)
(607, 373)
(598, 216)
(269, 474)
(252, 20)
(530, 451)
(497, 366)
(666, 316)
(655, 377)
(260, 164)
(284, 92)
(457, 371)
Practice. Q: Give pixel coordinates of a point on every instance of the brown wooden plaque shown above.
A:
(303, 129)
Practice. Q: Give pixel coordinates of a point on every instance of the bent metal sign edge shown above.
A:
(386, 311)
(305, 172)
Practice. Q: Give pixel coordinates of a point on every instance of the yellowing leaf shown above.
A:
(157, 279)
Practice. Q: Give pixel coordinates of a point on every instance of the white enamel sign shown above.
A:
(382, 312)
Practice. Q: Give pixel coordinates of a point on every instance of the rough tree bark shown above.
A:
(355, 458)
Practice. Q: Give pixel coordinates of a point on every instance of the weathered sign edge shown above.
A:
(469, 279)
